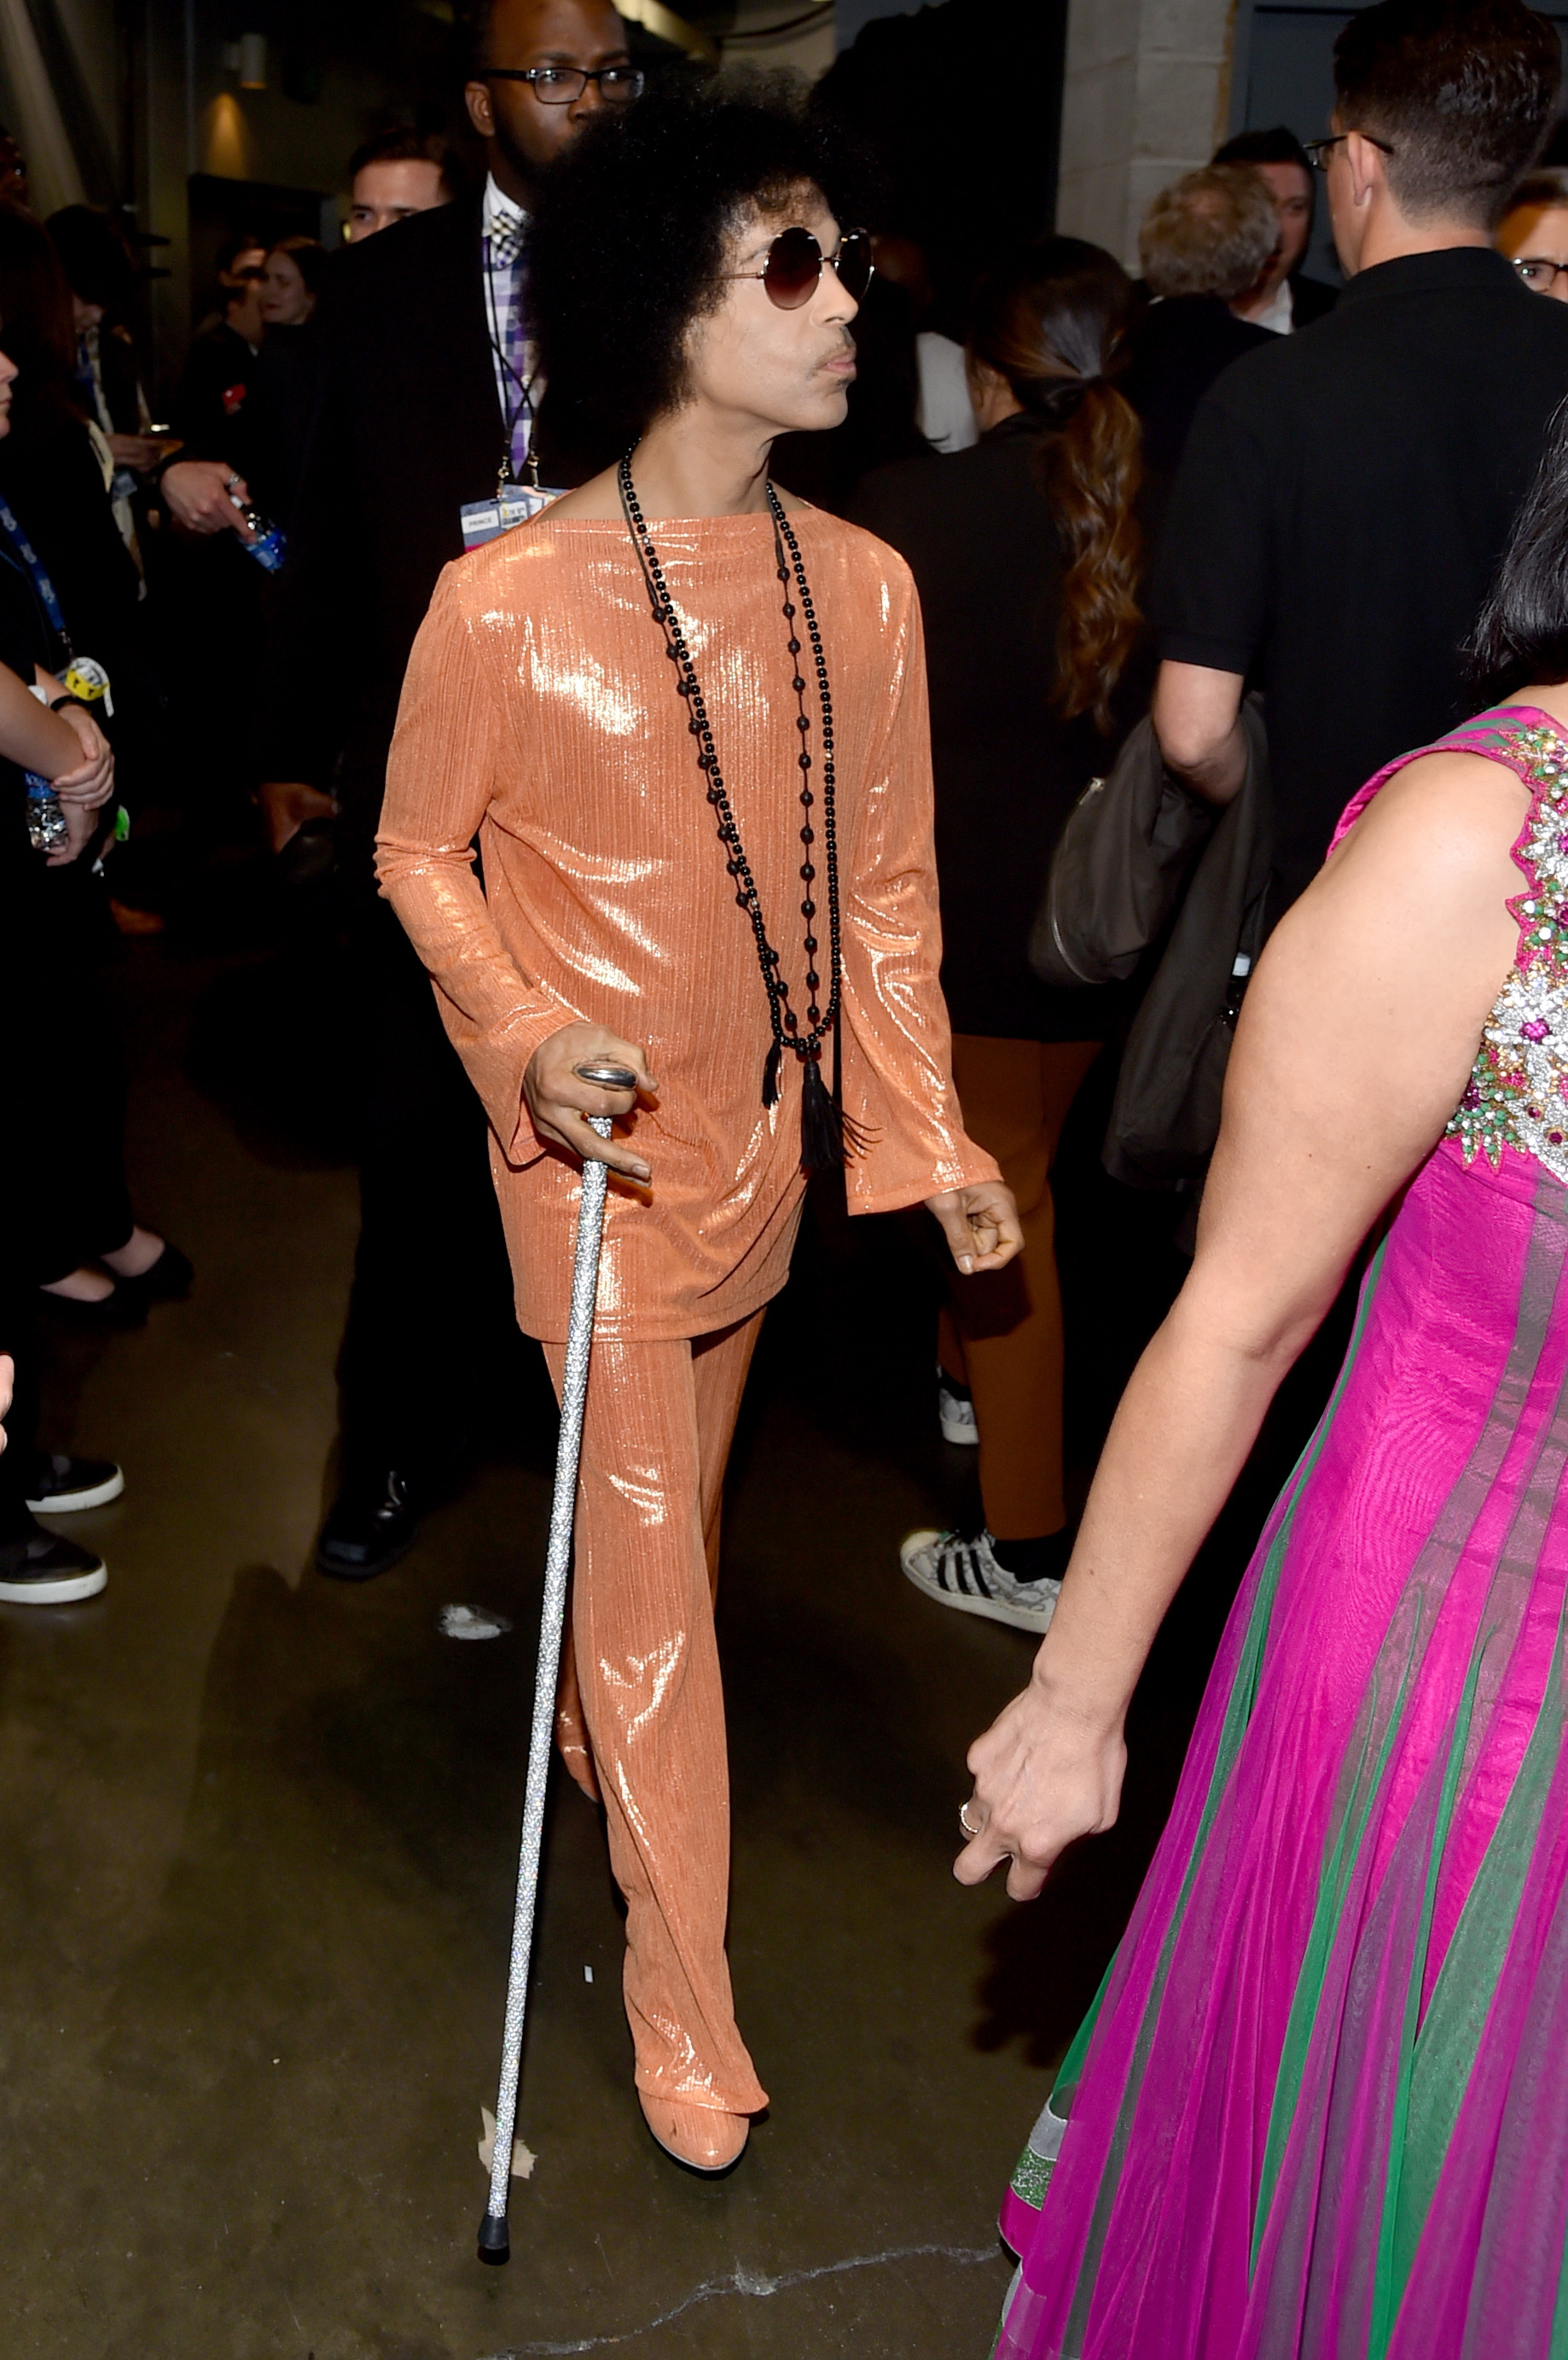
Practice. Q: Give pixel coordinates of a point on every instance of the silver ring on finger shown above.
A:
(963, 1822)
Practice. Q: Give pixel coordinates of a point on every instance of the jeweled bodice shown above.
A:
(1517, 1092)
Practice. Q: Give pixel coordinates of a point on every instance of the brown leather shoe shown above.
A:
(699, 2137)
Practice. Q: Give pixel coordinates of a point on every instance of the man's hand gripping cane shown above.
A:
(561, 1099)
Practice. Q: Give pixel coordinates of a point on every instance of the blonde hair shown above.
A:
(1210, 233)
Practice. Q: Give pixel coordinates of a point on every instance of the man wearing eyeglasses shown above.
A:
(1345, 495)
(528, 113)
(1534, 234)
(427, 411)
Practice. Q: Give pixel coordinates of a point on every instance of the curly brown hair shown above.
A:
(1057, 325)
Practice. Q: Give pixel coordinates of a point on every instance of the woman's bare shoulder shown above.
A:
(1445, 812)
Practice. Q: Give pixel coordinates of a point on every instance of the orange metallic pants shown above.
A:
(642, 1679)
(1001, 1333)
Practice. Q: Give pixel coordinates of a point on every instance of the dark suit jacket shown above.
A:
(1311, 299)
(407, 428)
(1182, 345)
(209, 412)
(282, 407)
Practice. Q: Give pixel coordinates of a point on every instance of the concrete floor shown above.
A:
(257, 1837)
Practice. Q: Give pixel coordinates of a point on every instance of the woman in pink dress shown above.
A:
(1320, 2107)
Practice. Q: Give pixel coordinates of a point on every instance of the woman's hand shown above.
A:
(980, 1224)
(1045, 1773)
(81, 827)
(91, 782)
(559, 1100)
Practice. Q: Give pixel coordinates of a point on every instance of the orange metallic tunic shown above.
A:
(540, 715)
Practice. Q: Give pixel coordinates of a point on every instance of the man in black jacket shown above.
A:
(427, 403)
(1284, 298)
(1345, 495)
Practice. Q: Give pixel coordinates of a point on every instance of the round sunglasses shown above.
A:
(794, 266)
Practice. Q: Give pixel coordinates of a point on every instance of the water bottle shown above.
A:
(45, 821)
(269, 548)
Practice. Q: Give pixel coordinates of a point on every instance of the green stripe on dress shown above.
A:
(1386, 2284)
(1333, 1886)
(1447, 2043)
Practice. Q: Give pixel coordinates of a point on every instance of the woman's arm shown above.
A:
(1354, 1048)
(90, 781)
(31, 735)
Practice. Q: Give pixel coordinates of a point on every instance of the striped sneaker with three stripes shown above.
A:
(961, 1570)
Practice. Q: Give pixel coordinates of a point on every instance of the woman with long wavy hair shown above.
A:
(1026, 551)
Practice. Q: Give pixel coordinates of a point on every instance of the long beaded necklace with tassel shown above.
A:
(822, 1126)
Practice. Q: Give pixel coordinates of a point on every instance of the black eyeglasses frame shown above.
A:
(1523, 262)
(1316, 151)
(534, 75)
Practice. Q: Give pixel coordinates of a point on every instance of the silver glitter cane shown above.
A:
(495, 2243)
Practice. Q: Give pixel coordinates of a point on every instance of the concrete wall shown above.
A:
(1147, 96)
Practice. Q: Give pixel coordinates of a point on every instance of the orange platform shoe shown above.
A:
(699, 2137)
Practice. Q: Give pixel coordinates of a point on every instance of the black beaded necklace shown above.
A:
(822, 1111)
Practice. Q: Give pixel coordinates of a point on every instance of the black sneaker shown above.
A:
(44, 1569)
(371, 1524)
(61, 1485)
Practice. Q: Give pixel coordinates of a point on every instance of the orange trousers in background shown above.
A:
(1001, 1333)
(642, 1679)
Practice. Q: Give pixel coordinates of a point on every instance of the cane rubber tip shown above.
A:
(495, 2244)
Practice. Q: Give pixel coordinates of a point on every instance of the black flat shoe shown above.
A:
(127, 1308)
(61, 1485)
(168, 1280)
(369, 1527)
(42, 1570)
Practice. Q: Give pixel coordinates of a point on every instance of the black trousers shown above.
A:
(18, 1336)
(69, 1074)
(430, 1313)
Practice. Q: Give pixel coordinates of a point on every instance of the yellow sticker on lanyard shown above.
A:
(86, 678)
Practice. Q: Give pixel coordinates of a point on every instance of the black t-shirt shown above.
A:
(1342, 503)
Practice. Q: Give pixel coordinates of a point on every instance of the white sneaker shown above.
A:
(958, 1569)
(954, 1412)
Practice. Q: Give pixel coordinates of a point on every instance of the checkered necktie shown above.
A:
(509, 281)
